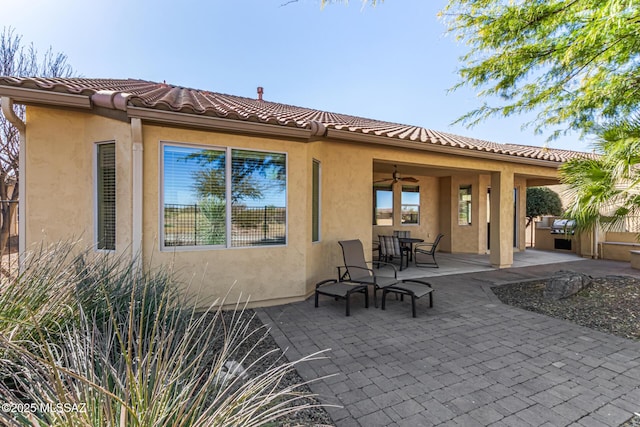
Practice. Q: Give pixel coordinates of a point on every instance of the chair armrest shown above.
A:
(421, 246)
(346, 268)
(430, 244)
(343, 271)
(385, 264)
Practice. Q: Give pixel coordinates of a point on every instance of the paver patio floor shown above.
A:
(469, 360)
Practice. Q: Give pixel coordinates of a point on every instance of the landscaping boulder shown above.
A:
(563, 284)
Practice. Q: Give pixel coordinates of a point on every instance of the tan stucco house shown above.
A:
(231, 189)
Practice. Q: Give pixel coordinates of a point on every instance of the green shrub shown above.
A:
(212, 226)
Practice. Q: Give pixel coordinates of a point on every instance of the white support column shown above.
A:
(137, 165)
(501, 219)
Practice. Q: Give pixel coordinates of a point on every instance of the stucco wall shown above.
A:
(267, 273)
(61, 179)
(346, 201)
(61, 183)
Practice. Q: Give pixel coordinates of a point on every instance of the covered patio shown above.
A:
(479, 211)
(450, 264)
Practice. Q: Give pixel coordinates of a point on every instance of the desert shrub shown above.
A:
(212, 227)
(101, 342)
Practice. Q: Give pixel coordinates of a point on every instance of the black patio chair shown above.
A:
(390, 249)
(413, 288)
(402, 233)
(356, 270)
(342, 290)
(426, 250)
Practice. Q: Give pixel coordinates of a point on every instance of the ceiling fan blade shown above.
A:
(383, 180)
(409, 179)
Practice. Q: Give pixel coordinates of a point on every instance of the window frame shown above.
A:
(97, 195)
(388, 188)
(417, 206)
(467, 205)
(228, 196)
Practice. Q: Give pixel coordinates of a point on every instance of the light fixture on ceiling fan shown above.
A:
(395, 177)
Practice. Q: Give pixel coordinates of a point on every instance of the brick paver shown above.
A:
(469, 360)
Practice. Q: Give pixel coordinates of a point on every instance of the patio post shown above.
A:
(502, 206)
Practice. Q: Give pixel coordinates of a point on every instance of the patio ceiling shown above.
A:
(381, 166)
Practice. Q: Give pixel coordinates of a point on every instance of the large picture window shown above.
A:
(106, 196)
(223, 197)
(410, 200)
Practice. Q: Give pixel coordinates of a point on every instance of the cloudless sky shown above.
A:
(392, 62)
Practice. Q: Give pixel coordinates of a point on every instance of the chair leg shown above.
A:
(348, 298)
(366, 297)
(384, 298)
(316, 300)
(413, 305)
(375, 296)
(431, 299)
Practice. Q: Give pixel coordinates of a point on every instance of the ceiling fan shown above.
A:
(395, 177)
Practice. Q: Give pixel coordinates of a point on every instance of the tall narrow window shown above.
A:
(315, 202)
(464, 205)
(410, 201)
(383, 205)
(106, 196)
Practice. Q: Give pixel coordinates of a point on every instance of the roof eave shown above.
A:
(427, 146)
(36, 96)
(216, 123)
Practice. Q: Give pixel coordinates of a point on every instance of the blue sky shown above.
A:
(392, 62)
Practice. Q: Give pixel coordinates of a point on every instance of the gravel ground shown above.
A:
(608, 304)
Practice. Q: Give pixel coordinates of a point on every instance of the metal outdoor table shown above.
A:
(409, 241)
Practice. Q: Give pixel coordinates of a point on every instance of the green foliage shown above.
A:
(575, 60)
(542, 201)
(107, 344)
(212, 228)
(252, 174)
(605, 188)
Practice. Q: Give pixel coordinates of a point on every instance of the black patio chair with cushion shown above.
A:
(390, 249)
(426, 250)
(356, 270)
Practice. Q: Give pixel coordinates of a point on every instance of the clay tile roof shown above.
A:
(162, 96)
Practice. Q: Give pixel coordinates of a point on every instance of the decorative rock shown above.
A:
(564, 284)
(229, 372)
